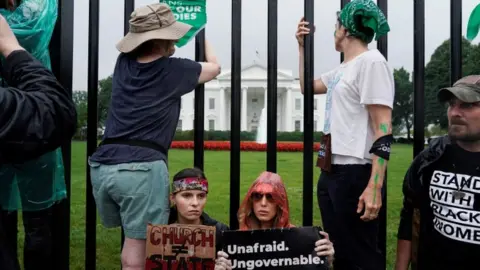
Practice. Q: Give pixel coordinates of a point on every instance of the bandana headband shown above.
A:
(190, 183)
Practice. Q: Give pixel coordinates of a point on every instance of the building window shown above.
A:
(211, 124)
(297, 125)
(315, 101)
(298, 104)
(314, 125)
(179, 124)
(211, 103)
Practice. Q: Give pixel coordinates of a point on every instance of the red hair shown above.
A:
(246, 217)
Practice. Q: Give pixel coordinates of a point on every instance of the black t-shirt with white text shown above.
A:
(450, 218)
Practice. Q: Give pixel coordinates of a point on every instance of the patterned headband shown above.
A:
(190, 183)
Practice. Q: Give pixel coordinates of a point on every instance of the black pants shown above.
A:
(37, 251)
(8, 261)
(356, 242)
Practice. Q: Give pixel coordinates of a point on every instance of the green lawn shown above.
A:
(217, 169)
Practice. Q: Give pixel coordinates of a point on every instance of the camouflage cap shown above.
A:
(467, 89)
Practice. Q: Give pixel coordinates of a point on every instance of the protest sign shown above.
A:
(178, 246)
(291, 248)
(192, 12)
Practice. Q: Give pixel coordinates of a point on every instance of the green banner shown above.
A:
(192, 12)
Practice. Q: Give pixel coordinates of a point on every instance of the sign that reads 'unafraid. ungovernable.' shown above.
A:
(292, 248)
(192, 12)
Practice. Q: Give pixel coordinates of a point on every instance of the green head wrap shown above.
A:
(364, 20)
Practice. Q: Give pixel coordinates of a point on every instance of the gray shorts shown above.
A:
(131, 195)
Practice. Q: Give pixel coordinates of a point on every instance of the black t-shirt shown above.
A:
(145, 105)
(450, 212)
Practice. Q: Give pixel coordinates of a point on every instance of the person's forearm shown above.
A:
(404, 249)
(301, 66)
(379, 164)
(209, 54)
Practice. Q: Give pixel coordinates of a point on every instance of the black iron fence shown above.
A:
(61, 49)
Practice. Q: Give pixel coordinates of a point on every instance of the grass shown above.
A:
(217, 168)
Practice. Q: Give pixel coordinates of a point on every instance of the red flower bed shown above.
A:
(244, 146)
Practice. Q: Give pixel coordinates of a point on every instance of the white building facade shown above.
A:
(218, 99)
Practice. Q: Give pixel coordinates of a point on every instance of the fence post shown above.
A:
(382, 46)
(343, 3)
(418, 76)
(308, 118)
(455, 40)
(92, 134)
(199, 130)
(382, 43)
(272, 79)
(236, 84)
(127, 11)
(61, 52)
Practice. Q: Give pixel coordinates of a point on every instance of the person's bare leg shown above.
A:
(133, 254)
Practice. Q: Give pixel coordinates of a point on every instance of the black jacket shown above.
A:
(207, 221)
(38, 114)
(412, 186)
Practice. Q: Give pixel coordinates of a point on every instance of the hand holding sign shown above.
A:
(222, 262)
(324, 247)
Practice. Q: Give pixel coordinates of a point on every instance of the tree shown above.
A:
(80, 98)
(402, 115)
(437, 76)
(104, 97)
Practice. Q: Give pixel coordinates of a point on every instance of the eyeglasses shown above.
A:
(257, 196)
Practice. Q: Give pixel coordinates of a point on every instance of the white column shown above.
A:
(280, 113)
(288, 110)
(265, 90)
(222, 112)
(244, 109)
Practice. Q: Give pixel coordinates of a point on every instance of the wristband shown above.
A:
(381, 147)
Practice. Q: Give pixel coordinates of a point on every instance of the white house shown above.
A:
(253, 99)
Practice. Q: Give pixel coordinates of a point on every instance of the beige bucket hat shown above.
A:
(155, 21)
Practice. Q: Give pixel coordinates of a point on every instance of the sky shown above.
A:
(254, 33)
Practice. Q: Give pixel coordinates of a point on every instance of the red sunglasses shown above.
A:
(257, 196)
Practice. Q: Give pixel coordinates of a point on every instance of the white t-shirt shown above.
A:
(364, 80)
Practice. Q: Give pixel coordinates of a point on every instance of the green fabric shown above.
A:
(473, 25)
(37, 184)
(364, 20)
(34, 185)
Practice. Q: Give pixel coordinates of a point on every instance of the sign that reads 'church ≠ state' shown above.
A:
(176, 246)
(192, 12)
(292, 248)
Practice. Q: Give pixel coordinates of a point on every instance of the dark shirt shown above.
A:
(450, 227)
(145, 105)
